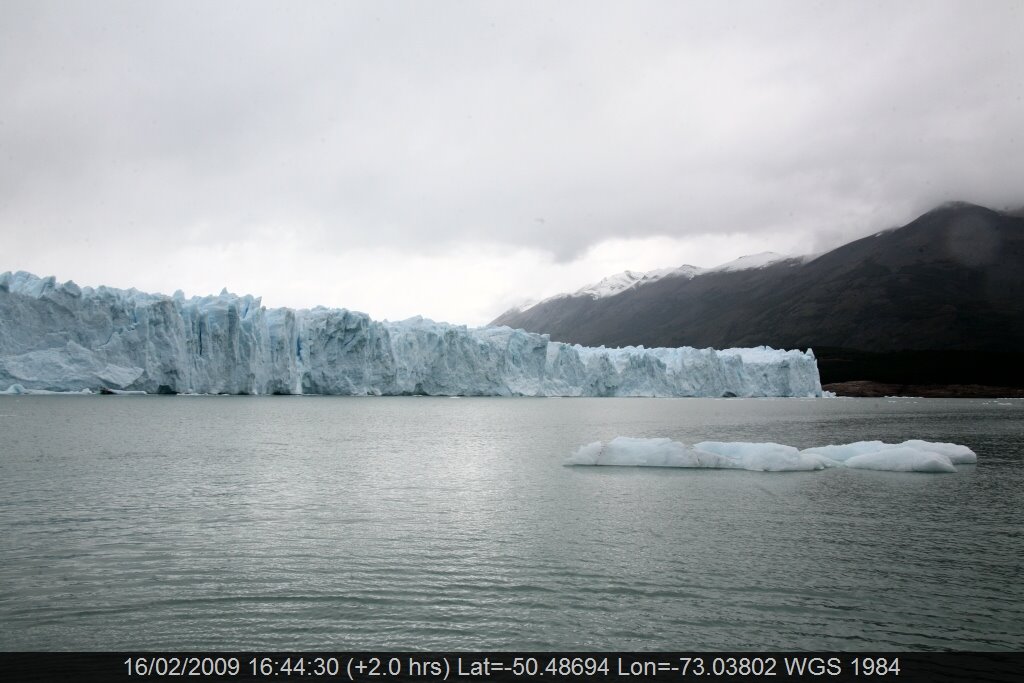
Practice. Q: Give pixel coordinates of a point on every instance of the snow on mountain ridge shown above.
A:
(749, 262)
(629, 279)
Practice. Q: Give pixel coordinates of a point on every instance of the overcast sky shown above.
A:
(451, 159)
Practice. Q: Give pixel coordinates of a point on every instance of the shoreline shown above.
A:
(871, 389)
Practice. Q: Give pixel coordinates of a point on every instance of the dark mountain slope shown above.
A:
(951, 281)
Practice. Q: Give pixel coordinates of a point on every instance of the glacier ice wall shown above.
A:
(62, 337)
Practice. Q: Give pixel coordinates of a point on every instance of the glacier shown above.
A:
(914, 455)
(60, 337)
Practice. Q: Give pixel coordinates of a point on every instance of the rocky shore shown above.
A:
(877, 389)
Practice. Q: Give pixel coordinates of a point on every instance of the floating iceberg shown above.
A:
(62, 337)
(846, 453)
(18, 390)
(909, 456)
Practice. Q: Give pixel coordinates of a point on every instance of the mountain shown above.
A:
(938, 300)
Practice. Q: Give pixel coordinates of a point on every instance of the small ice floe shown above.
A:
(20, 390)
(910, 456)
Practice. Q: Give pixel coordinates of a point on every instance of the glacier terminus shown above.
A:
(62, 337)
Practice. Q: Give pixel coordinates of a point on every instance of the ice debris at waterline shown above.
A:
(909, 456)
(62, 337)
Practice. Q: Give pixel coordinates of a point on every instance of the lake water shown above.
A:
(436, 523)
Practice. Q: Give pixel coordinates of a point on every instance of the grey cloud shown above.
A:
(422, 125)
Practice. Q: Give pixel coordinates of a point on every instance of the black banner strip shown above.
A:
(463, 667)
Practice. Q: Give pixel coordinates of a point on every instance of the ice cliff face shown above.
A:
(62, 337)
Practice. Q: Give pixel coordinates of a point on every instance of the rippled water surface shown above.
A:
(435, 523)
